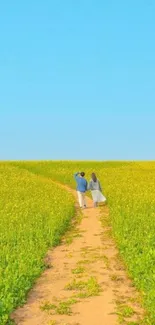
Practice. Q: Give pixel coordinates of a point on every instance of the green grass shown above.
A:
(64, 309)
(127, 311)
(34, 214)
(48, 306)
(61, 308)
(78, 270)
(124, 312)
(87, 288)
(129, 188)
(132, 323)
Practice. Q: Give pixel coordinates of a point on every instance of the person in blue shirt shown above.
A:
(81, 188)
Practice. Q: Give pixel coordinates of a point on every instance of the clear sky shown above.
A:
(77, 79)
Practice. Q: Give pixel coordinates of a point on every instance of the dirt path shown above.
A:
(86, 283)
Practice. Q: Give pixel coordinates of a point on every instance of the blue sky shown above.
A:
(77, 79)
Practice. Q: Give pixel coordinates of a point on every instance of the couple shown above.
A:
(94, 186)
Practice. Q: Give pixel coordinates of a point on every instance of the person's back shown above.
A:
(95, 188)
(94, 185)
(81, 188)
(81, 182)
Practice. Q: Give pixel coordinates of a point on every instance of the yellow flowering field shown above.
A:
(130, 190)
(34, 213)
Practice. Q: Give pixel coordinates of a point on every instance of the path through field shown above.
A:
(86, 283)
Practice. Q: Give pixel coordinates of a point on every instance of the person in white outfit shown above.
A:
(95, 187)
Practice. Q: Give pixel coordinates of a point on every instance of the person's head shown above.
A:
(82, 174)
(93, 176)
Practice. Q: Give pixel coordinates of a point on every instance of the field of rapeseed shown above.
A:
(34, 213)
(130, 189)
